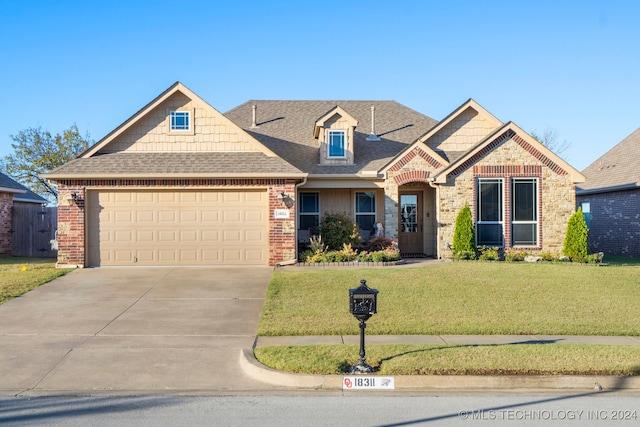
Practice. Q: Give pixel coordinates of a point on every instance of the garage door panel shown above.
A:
(172, 227)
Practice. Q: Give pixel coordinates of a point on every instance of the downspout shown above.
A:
(437, 188)
(295, 220)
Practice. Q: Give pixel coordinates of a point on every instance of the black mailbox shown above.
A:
(363, 301)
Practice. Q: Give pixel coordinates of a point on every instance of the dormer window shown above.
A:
(336, 143)
(180, 121)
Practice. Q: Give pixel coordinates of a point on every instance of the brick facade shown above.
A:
(614, 222)
(72, 231)
(6, 206)
(507, 159)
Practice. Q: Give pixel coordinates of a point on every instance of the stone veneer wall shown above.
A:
(511, 157)
(615, 222)
(416, 166)
(71, 217)
(6, 205)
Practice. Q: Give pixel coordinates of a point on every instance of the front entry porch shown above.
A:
(416, 221)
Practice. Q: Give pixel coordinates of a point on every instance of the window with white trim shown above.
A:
(180, 121)
(366, 210)
(309, 211)
(586, 212)
(336, 143)
(524, 212)
(489, 224)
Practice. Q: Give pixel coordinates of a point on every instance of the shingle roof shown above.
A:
(616, 168)
(144, 164)
(20, 192)
(286, 128)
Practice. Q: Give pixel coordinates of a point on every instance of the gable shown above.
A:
(463, 131)
(149, 130)
(509, 147)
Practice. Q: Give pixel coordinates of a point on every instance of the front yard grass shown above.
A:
(459, 298)
(19, 275)
(510, 359)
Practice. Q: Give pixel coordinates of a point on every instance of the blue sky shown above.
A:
(572, 66)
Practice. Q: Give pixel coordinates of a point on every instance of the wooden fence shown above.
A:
(32, 229)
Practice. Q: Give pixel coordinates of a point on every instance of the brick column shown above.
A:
(6, 207)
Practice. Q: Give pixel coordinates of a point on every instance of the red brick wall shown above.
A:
(6, 205)
(71, 216)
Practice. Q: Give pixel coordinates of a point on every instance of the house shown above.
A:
(12, 193)
(610, 199)
(181, 183)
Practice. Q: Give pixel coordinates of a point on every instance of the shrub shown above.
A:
(548, 256)
(489, 254)
(316, 244)
(515, 255)
(348, 253)
(593, 259)
(318, 256)
(575, 242)
(337, 229)
(379, 244)
(464, 255)
(464, 234)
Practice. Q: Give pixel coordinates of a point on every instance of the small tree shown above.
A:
(464, 234)
(36, 151)
(575, 242)
(337, 229)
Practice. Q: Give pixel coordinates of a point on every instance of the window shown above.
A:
(180, 121)
(524, 212)
(309, 211)
(586, 212)
(336, 143)
(366, 210)
(489, 225)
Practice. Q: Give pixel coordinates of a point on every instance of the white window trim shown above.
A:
(344, 147)
(190, 130)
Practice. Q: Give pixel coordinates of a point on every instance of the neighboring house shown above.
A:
(610, 199)
(12, 193)
(181, 183)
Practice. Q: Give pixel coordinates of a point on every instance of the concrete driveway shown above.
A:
(133, 330)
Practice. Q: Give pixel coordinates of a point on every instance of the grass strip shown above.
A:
(414, 359)
(20, 275)
(459, 298)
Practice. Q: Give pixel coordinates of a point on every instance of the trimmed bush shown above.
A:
(489, 254)
(464, 235)
(575, 242)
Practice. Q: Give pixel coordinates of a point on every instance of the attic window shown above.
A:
(336, 143)
(180, 121)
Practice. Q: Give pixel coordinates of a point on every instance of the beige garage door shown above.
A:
(177, 227)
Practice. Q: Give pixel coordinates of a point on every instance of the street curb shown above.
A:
(257, 371)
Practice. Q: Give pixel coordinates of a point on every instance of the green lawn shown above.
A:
(511, 359)
(19, 275)
(460, 298)
(465, 298)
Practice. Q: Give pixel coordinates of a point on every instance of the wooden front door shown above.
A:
(410, 227)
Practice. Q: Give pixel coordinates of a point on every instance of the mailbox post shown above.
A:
(362, 304)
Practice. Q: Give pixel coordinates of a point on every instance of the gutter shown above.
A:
(622, 187)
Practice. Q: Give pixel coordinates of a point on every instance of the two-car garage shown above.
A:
(171, 227)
